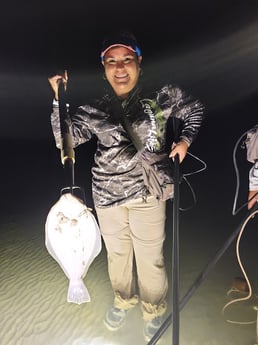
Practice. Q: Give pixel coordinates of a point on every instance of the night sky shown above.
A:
(210, 47)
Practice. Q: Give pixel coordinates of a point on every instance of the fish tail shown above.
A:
(77, 292)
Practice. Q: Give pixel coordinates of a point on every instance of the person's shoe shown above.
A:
(151, 327)
(115, 318)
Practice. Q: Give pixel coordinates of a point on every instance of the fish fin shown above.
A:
(77, 292)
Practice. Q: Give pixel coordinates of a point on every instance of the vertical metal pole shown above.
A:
(175, 256)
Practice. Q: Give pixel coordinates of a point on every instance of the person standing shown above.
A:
(131, 220)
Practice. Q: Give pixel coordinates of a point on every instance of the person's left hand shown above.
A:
(179, 148)
(254, 200)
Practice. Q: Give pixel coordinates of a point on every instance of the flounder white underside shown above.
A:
(73, 239)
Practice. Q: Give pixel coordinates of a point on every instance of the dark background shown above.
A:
(208, 47)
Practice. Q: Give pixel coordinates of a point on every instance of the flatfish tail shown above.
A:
(77, 292)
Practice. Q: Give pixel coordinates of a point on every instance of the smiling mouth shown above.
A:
(121, 76)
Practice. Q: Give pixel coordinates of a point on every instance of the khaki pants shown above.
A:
(136, 229)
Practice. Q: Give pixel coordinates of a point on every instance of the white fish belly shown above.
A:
(72, 238)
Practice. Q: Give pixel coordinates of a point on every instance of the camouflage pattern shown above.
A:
(252, 156)
(117, 172)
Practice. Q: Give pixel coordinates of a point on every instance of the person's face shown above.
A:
(122, 69)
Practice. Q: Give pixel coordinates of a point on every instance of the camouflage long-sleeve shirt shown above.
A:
(252, 156)
(117, 174)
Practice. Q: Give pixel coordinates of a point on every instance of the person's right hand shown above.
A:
(55, 80)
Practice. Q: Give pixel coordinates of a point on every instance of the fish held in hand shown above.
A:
(72, 238)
